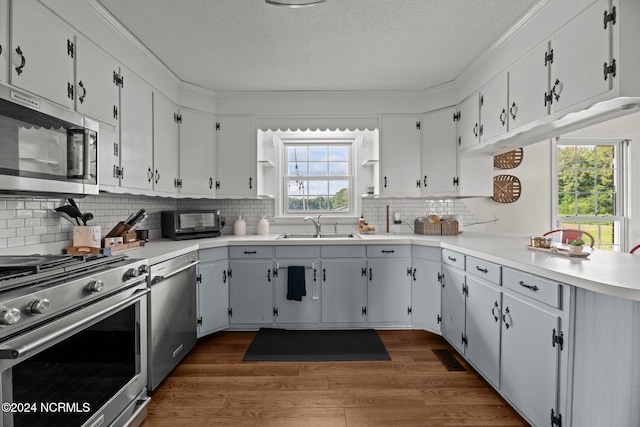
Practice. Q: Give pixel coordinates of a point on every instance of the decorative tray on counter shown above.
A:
(555, 250)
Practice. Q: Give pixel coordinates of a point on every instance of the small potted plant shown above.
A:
(575, 246)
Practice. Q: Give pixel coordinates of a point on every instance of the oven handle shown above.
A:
(157, 279)
(16, 353)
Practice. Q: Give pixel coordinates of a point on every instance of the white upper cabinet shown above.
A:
(4, 40)
(165, 145)
(494, 117)
(136, 133)
(581, 51)
(401, 142)
(197, 154)
(439, 153)
(528, 83)
(42, 53)
(236, 156)
(109, 158)
(468, 121)
(97, 89)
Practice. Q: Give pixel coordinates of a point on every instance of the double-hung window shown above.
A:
(318, 177)
(589, 189)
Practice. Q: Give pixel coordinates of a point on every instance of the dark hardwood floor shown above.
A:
(214, 387)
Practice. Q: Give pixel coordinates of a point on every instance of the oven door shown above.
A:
(87, 368)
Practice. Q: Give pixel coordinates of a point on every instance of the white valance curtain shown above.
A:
(275, 124)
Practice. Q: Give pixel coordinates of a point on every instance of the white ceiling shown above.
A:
(247, 45)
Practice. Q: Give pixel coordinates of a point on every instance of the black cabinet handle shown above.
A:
(157, 176)
(534, 288)
(451, 259)
(513, 110)
(370, 274)
(388, 252)
(224, 276)
(210, 183)
(150, 175)
(504, 317)
(84, 92)
(250, 252)
(484, 270)
(493, 311)
(503, 117)
(414, 274)
(425, 181)
(324, 274)
(385, 182)
(475, 130)
(268, 275)
(250, 183)
(418, 183)
(23, 61)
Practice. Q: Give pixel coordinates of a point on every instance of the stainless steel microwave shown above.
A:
(45, 148)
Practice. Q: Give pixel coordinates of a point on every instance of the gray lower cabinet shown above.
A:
(343, 291)
(482, 328)
(295, 312)
(250, 286)
(530, 360)
(389, 285)
(213, 291)
(453, 306)
(426, 288)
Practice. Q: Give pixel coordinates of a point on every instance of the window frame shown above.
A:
(621, 145)
(348, 142)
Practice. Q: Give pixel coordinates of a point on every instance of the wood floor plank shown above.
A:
(214, 387)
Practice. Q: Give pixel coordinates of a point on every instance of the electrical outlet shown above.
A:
(496, 220)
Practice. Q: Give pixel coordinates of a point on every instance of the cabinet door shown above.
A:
(97, 95)
(483, 329)
(42, 53)
(439, 152)
(493, 108)
(136, 129)
(213, 297)
(4, 40)
(197, 159)
(529, 360)
(109, 158)
(236, 139)
(306, 311)
(468, 122)
(401, 141)
(251, 292)
(343, 290)
(528, 83)
(453, 307)
(389, 291)
(580, 50)
(426, 294)
(165, 145)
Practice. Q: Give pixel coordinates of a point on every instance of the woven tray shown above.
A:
(506, 188)
(509, 160)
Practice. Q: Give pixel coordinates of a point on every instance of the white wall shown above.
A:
(531, 213)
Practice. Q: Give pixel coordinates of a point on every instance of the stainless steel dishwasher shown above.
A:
(172, 315)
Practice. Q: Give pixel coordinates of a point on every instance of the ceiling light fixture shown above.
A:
(294, 3)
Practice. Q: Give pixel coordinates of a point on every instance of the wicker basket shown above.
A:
(422, 225)
(449, 227)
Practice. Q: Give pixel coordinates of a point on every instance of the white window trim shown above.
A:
(281, 201)
(623, 202)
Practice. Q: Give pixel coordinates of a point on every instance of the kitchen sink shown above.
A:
(322, 236)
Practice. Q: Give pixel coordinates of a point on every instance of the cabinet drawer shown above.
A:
(452, 258)
(538, 288)
(426, 252)
(297, 252)
(342, 251)
(484, 269)
(213, 254)
(250, 252)
(388, 251)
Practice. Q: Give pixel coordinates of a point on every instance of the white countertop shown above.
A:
(605, 272)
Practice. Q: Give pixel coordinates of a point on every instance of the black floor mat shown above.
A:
(448, 360)
(283, 345)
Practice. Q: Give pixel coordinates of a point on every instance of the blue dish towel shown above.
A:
(296, 287)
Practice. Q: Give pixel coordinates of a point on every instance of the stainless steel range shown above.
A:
(73, 340)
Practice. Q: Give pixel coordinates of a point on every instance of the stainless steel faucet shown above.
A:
(317, 224)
